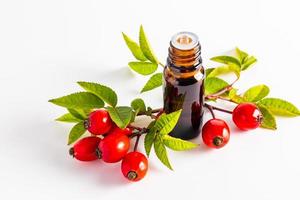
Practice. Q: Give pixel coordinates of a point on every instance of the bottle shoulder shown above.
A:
(186, 78)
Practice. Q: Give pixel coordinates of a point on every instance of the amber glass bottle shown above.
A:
(183, 84)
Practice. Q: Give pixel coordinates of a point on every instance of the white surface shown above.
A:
(46, 46)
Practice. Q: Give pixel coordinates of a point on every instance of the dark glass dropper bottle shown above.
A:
(183, 84)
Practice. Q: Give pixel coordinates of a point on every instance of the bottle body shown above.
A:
(183, 88)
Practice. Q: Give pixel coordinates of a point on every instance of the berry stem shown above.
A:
(219, 109)
(222, 91)
(209, 107)
(135, 127)
(137, 142)
(141, 132)
(161, 64)
(157, 110)
(153, 116)
(225, 99)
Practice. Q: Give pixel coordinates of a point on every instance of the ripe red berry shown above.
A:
(215, 133)
(85, 149)
(134, 166)
(246, 116)
(113, 147)
(99, 122)
(126, 131)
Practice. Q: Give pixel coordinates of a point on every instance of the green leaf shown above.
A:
(256, 93)
(145, 46)
(166, 122)
(154, 82)
(80, 100)
(151, 125)
(226, 60)
(280, 107)
(238, 99)
(248, 62)
(241, 54)
(235, 97)
(232, 93)
(161, 152)
(224, 70)
(78, 113)
(105, 93)
(134, 48)
(213, 85)
(208, 71)
(76, 132)
(149, 138)
(138, 104)
(120, 115)
(269, 121)
(143, 68)
(68, 117)
(177, 144)
(148, 142)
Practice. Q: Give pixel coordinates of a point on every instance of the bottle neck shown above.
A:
(184, 62)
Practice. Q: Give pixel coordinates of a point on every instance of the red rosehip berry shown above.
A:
(247, 116)
(134, 166)
(215, 133)
(99, 122)
(126, 131)
(85, 149)
(113, 147)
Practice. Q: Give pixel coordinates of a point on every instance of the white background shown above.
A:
(46, 46)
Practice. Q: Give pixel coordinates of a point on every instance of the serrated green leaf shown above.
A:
(256, 93)
(224, 70)
(78, 113)
(166, 122)
(154, 82)
(138, 104)
(143, 68)
(250, 60)
(213, 85)
(151, 125)
(120, 115)
(145, 46)
(68, 117)
(105, 93)
(134, 48)
(76, 132)
(226, 60)
(177, 144)
(161, 151)
(80, 100)
(149, 138)
(269, 120)
(280, 107)
(241, 54)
